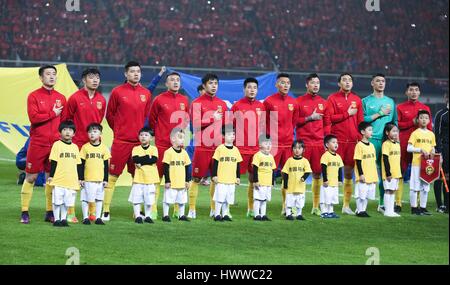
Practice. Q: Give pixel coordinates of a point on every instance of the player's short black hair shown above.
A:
(311, 76)
(300, 143)
(94, 126)
(250, 80)
(44, 67)
(264, 138)
(87, 71)
(147, 130)
(327, 139)
(344, 74)
(208, 77)
(67, 124)
(387, 128)
(229, 128)
(412, 84)
(131, 64)
(363, 126)
(172, 73)
(200, 88)
(423, 112)
(283, 75)
(176, 131)
(378, 75)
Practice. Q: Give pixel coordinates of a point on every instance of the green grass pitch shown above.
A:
(405, 240)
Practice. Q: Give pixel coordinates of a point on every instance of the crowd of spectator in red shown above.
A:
(406, 38)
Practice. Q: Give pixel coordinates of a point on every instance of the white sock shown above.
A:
(263, 208)
(98, 209)
(323, 208)
(413, 198)
(63, 212)
(217, 209)
(180, 210)
(358, 205)
(364, 203)
(57, 212)
(423, 199)
(299, 211)
(166, 209)
(137, 210)
(330, 209)
(148, 210)
(387, 204)
(85, 209)
(256, 207)
(288, 211)
(225, 209)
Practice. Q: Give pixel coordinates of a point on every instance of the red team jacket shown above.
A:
(84, 111)
(406, 112)
(162, 108)
(201, 122)
(44, 122)
(313, 132)
(338, 104)
(287, 118)
(128, 107)
(240, 109)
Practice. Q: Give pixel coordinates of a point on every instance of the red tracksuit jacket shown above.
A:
(163, 107)
(287, 118)
(406, 112)
(84, 111)
(128, 107)
(344, 127)
(312, 132)
(247, 133)
(203, 122)
(44, 122)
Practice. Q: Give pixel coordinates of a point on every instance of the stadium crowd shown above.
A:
(325, 35)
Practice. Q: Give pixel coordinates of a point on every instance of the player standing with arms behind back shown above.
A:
(281, 113)
(128, 107)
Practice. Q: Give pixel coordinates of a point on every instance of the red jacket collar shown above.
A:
(46, 90)
(85, 93)
(131, 86)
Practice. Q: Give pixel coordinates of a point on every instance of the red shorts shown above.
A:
(282, 155)
(121, 156)
(38, 158)
(405, 155)
(202, 163)
(347, 150)
(246, 164)
(313, 153)
(159, 163)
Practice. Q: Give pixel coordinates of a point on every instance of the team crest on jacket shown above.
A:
(143, 99)
(182, 107)
(291, 107)
(99, 105)
(353, 104)
(58, 103)
(219, 108)
(29, 165)
(258, 111)
(320, 107)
